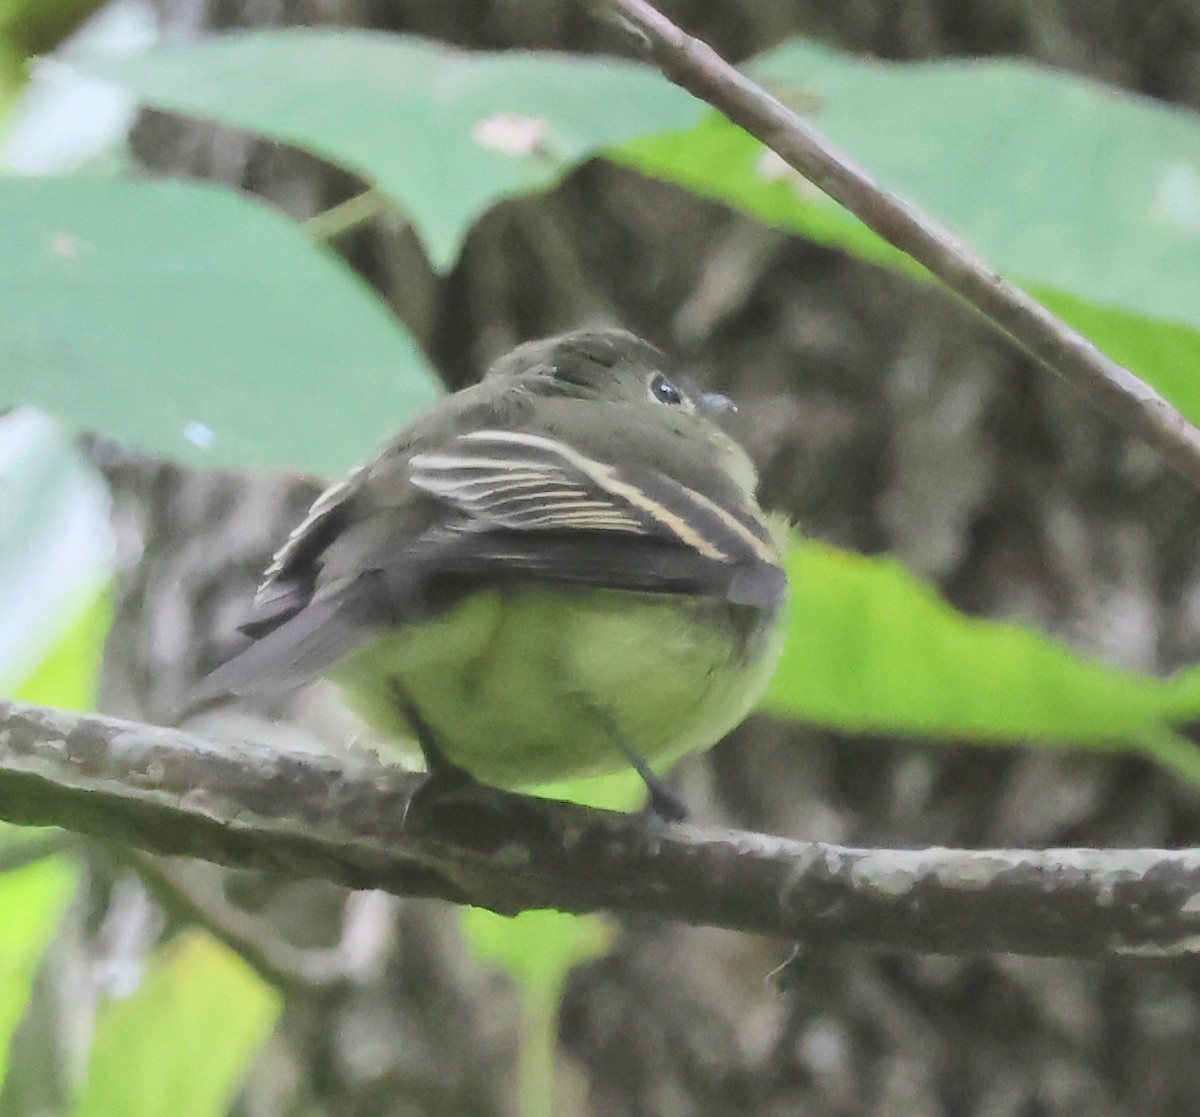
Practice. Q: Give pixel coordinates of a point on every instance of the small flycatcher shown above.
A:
(558, 571)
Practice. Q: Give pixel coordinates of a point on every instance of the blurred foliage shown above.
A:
(68, 676)
(32, 900)
(537, 949)
(184, 1037)
(55, 552)
(447, 134)
(48, 497)
(181, 1042)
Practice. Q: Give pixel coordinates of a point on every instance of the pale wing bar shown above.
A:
(534, 482)
(521, 486)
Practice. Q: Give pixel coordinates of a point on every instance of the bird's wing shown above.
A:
(516, 507)
(502, 481)
(289, 581)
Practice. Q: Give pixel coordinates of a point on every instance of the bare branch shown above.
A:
(696, 67)
(246, 805)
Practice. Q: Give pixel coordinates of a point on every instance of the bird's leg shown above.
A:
(444, 774)
(447, 789)
(663, 802)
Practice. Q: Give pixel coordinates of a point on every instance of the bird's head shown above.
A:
(608, 365)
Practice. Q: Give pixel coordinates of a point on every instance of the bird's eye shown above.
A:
(664, 391)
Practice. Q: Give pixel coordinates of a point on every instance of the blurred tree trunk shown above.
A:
(886, 418)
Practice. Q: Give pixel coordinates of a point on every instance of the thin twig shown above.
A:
(697, 68)
(249, 805)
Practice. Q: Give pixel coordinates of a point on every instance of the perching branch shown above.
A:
(248, 805)
(697, 68)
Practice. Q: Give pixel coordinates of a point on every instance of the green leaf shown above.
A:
(196, 324)
(1087, 196)
(32, 900)
(56, 553)
(182, 1042)
(444, 132)
(69, 675)
(537, 949)
(872, 650)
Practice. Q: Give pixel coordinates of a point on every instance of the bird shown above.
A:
(557, 572)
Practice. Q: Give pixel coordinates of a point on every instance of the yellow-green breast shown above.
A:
(526, 686)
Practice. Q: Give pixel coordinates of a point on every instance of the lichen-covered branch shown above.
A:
(242, 804)
(696, 67)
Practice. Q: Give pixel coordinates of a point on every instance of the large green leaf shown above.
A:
(1088, 196)
(871, 649)
(181, 1043)
(195, 323)
(444, 132)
